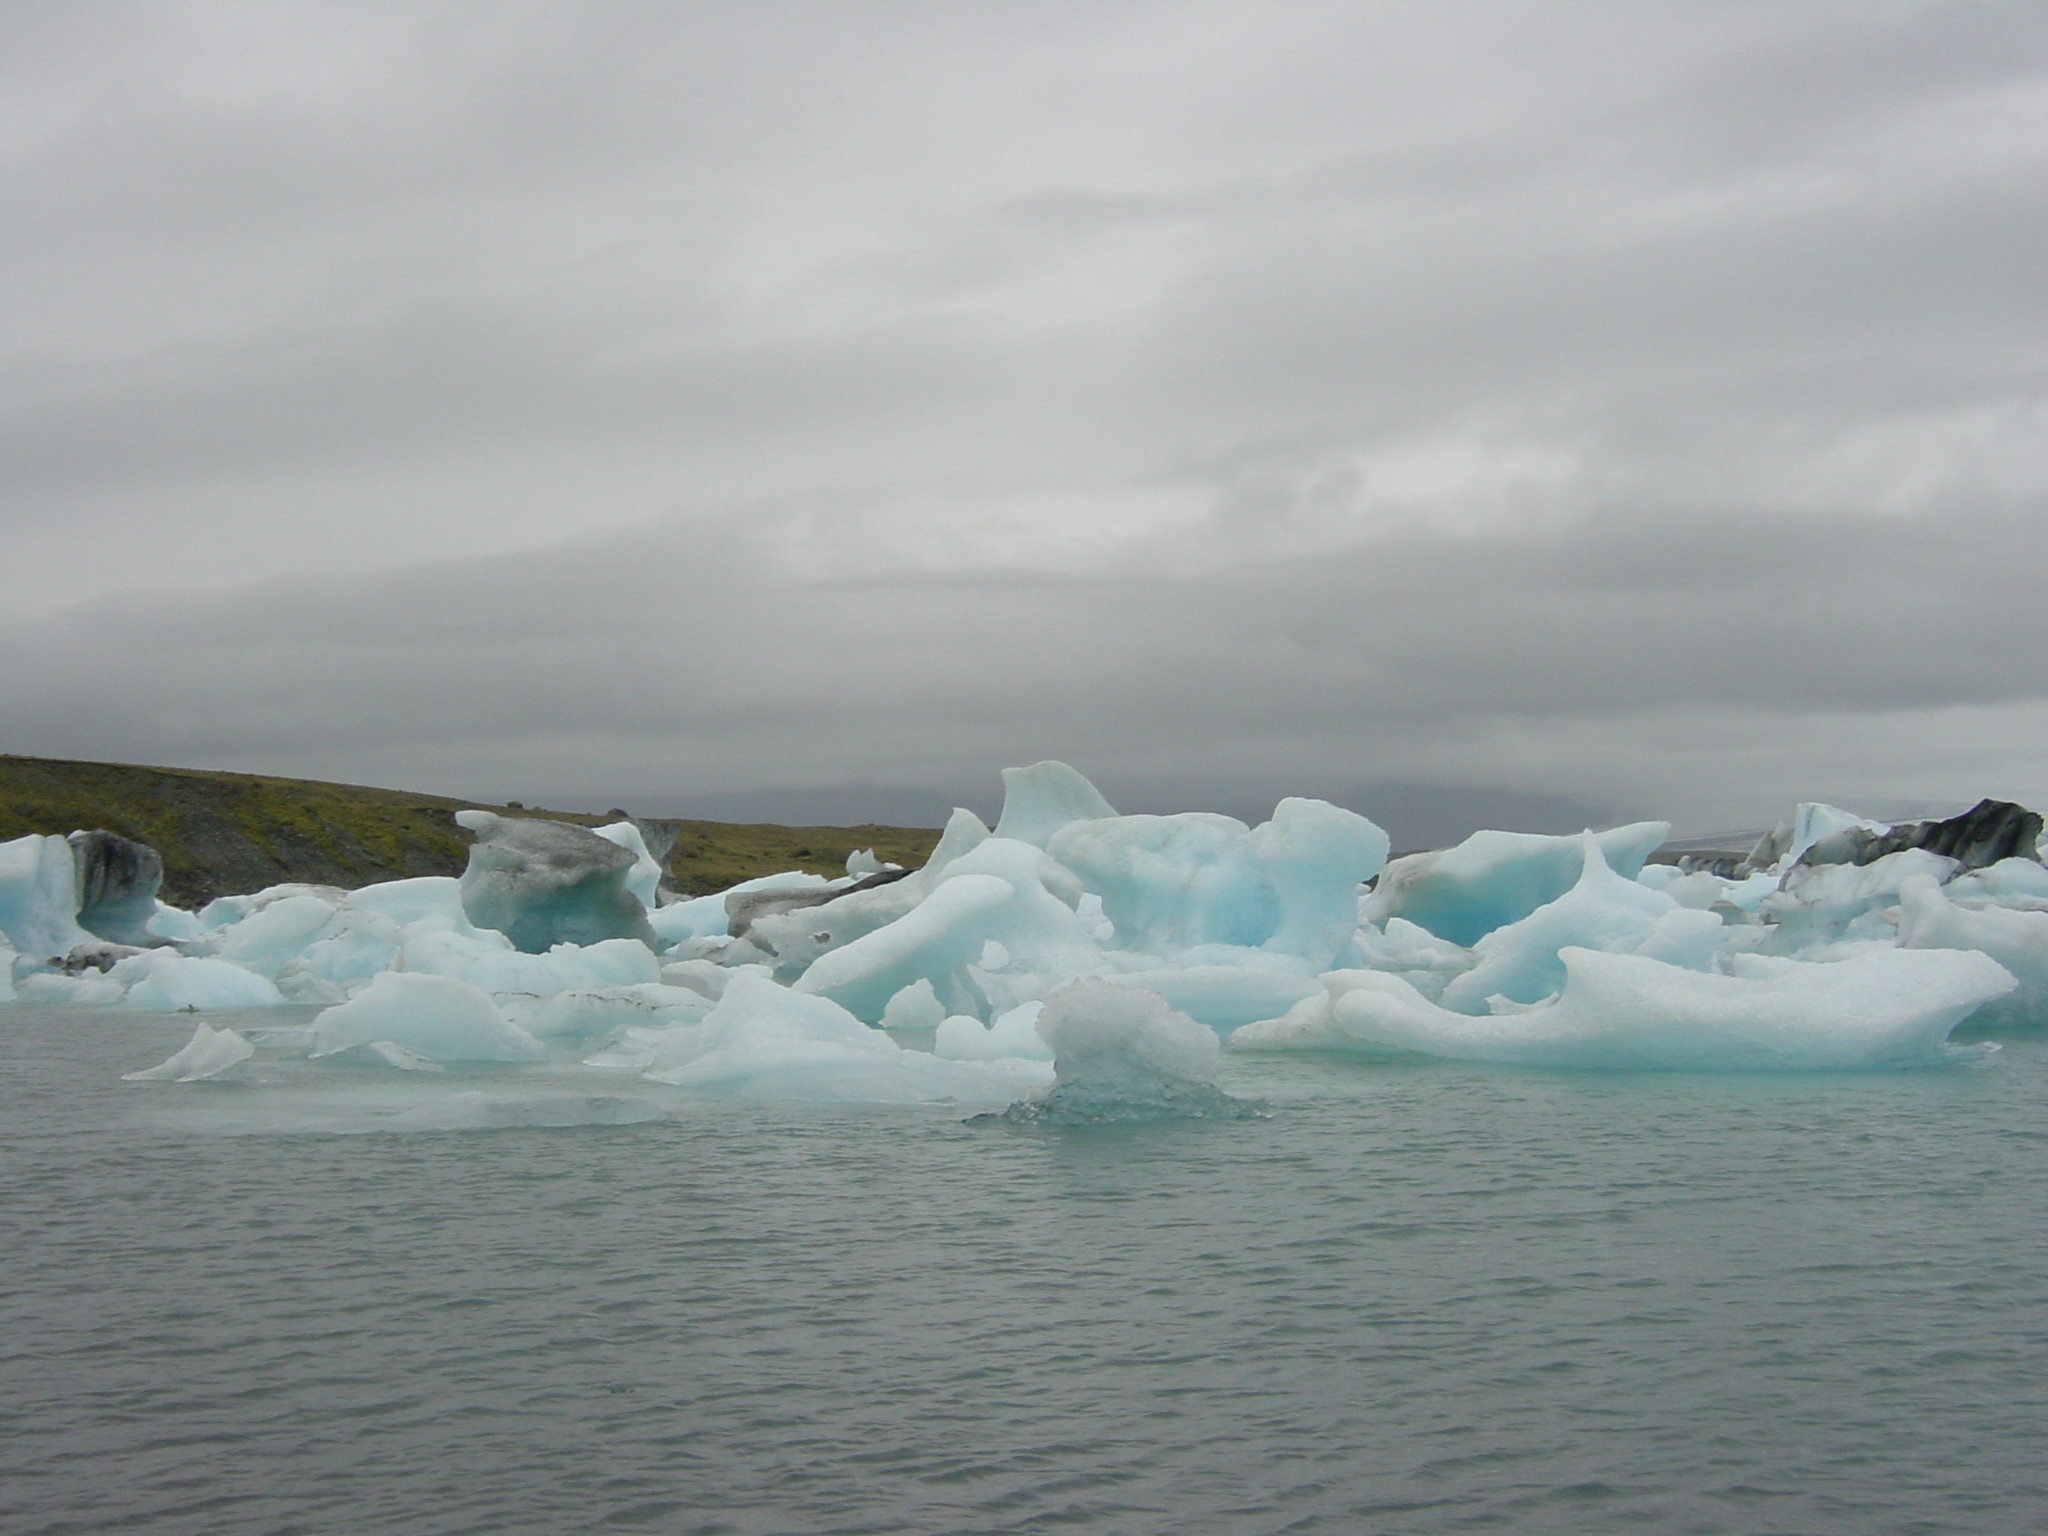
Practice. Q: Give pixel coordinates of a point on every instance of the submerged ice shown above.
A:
(1075, 962)
(1122, 1054)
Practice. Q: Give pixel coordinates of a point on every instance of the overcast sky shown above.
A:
(1514, 411)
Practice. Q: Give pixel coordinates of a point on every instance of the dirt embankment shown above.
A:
(220, 833)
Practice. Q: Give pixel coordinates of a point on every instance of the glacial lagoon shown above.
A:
(1413, 1297)
(1109, 1174)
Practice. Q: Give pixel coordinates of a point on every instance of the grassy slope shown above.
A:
(221, 833)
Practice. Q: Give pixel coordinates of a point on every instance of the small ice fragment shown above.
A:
(208, 1053)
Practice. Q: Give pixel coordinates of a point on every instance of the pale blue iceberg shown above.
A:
(2017, 938)
(1879, 1008)
(168, 982)
(1603, 911)
(1012, 1035)
(1224, 996)
(39, 897)
(1173, 883)
(1496, 878)
(1040, 799)
(437, 1017)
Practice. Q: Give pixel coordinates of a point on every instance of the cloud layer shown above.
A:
(1642, 407)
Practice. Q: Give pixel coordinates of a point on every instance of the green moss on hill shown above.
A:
(221, 833)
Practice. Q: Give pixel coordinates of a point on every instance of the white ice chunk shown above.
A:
(1750, 894)
(644, 878)
(933, 941)
(224, 910)
(916, 1007)
(433, 900)
(698, 917)
(592, 1015)
(176, 924)
(2017, 940)
(1413, 953)
(705, 976)
(208, 1053)
(1012, 1036)
(964, 833)
(1496, 878)
(1223, 996)
(269, 939)
(437, 1017)
(1316, 855)
(1039, 800)
(488, 963)
(351, 949)
(1883, 1007)
(764, 1041)
(2021, 883)
(1825, 904)
(165, 981)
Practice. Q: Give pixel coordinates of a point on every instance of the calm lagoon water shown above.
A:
(1415, 1299)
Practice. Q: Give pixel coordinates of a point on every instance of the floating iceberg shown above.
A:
(1094, 956)
(2016, 939)
(1041, 799)
(1496, 878)
(436, 1017)
(1171, 883)
(764, 1041)
(39, 897)
(1010, 1036)
(543, 883)
(169, 982)
(1523, 962)
(1877, 1009)
(116, 880)
(1123, 1054)
(208, 1053)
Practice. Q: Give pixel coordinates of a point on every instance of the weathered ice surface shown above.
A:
(1989, 831)
(742, 908)
(117, 881)
(543, 883)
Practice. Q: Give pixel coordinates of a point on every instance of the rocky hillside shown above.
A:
(220, 833)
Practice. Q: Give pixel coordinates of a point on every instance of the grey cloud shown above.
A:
(1665, 302)
(701, 647)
